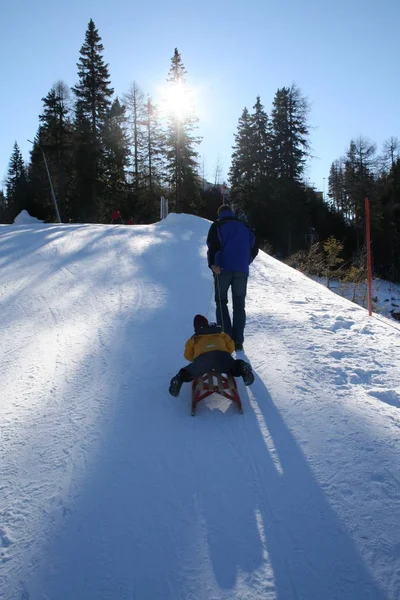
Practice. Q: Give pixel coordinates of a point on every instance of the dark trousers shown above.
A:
(237, 281)
(220, 361)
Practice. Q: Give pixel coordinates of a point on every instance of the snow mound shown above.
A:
(181, 220)
(24, 218)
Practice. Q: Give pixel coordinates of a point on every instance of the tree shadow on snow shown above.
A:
(163, 501)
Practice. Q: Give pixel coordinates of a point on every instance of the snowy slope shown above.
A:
(110, 490)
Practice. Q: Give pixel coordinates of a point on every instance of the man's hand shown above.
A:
(216, 269)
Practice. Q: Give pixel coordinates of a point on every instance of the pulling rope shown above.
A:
(211, 298)
(220, 305)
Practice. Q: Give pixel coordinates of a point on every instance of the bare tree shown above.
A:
(391, 149)
(363, 152)
(218, 172)
(63, 93)
(154, 153)
(134, 101)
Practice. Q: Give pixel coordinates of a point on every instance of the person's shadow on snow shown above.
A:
(266, 516)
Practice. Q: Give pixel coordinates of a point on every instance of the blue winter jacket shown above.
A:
(231, 243)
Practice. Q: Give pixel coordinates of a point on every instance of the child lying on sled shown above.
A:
(209, 348)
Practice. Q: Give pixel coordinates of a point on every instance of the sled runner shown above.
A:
(214, 382)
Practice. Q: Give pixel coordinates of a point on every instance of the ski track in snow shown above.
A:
(109, 489)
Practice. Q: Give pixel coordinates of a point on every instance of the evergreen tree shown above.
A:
(3, 207)
(39, 181)
(250, 173)
(115, 160)
(361, 174)
(290, 131)
(289, 153)
(211, 201)
(16, 184)
(261, 144)
(93, 93)
(181, 155)
(54, 136)
(55, 116)
(336, 186)
(359, 182)
(241, 173)
(263, 210)
(387, 239)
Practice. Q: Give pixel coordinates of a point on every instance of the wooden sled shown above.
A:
(214, 383)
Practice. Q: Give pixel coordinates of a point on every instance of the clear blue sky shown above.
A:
(343, 55)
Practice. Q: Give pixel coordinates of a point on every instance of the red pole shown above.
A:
(369, 265)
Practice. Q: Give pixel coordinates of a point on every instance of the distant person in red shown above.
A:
(116, 217)
(130, 222)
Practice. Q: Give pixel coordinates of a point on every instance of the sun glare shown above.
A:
(177, 99)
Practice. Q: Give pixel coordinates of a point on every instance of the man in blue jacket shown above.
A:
(231, 248)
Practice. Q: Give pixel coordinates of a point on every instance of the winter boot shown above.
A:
(238, 347)
(247, 374)
(175, 385)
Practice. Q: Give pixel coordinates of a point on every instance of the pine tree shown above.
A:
(93, 93)
(261, 143)
(16, 184)
(85, 161)
(241, 173)
(362, 174)
(181, 156)
(386, 238)
(289, 153)
(211, 201)
(262, 211)
(359, 181)
(336, 186)
(3, 207)
(54, 136)
(115, 160)
(250, 173)
(290, 131)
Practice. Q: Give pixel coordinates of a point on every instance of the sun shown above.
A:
(177, 99)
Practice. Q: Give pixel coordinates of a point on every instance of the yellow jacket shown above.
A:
(201, 343)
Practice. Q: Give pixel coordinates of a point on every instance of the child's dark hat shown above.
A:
(198, 322)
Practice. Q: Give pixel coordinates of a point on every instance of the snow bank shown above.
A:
(24, 218)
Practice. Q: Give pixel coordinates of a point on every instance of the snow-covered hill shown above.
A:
(110, 489)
